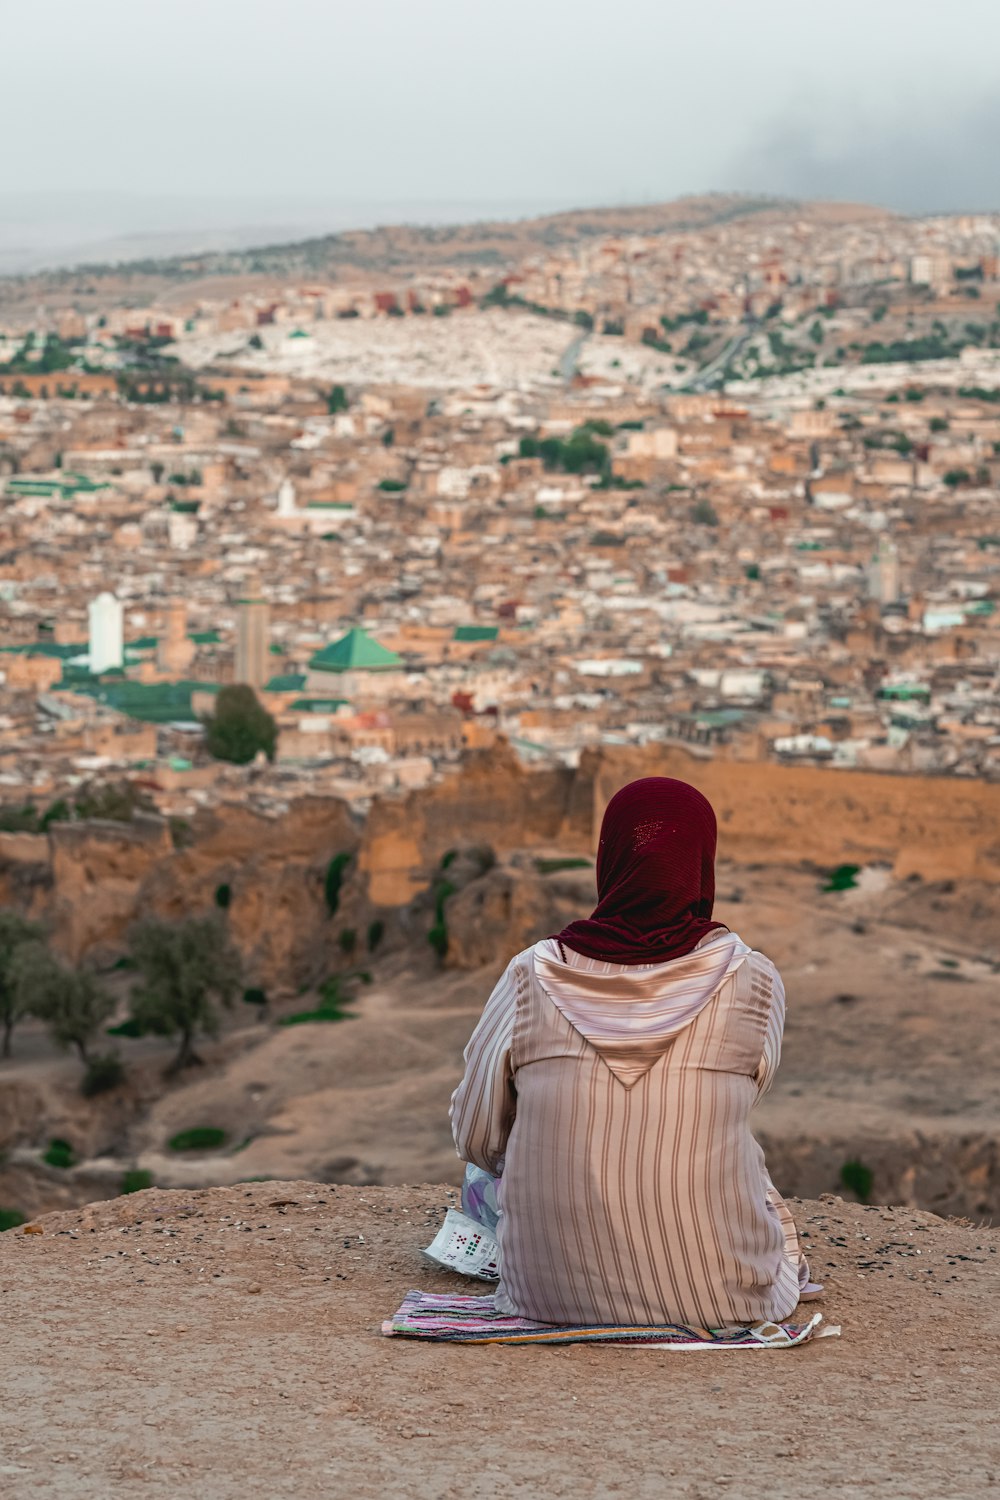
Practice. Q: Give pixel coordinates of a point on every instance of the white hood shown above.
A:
(632, 1015)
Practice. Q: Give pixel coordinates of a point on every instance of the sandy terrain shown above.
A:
(226, 1344)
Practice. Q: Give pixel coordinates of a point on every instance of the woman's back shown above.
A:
(633, 1190)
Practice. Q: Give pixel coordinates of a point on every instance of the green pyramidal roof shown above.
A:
(354, 652)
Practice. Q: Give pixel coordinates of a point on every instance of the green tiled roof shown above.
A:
(476, 632)
(286, 682)
(68, 485)
(319, 705)
(903, 691)
(354, 652)
(151, 702)
(49, 648)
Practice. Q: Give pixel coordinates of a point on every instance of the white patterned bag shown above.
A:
(464, 1246)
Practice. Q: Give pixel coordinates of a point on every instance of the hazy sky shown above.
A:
(261, 108)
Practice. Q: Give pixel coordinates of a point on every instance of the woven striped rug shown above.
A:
(475, 1320)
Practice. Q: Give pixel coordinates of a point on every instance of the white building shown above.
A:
(883, 574)
(286, 499)
(107, 633)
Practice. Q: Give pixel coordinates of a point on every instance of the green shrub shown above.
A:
(240, 726)
(438, 934)
(303, 1017)
(22, 819)
(553, 866)
(57, 812)
(376, 932)
(703, 513)
(103, 1073)
(843, 878)
(200, 1138)
(858, 1179)
(254, 996)
(334, 879)
(136, 1181)
(131, 1027)
(11, 1218)
(330, 1008)
(348, 939)
(59, 1154)
(223, 896)
(180, 833)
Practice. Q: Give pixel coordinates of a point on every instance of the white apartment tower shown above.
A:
(107, 633)
(286, 499)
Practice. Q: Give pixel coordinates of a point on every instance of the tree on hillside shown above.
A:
(71, 1002)
(187, 970)
(240, 726)
(16, 935)
(336, 400)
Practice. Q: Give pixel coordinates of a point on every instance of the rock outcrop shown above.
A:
(91, 880)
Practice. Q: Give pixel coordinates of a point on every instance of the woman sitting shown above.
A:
(609, 1085)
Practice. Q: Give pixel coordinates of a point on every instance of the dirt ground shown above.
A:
(226, 1344)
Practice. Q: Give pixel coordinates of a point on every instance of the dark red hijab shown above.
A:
(655, 876)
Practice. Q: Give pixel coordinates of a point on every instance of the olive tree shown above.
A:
(187, 970)
(17, 934)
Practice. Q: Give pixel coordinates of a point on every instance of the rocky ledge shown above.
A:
(225, 1343)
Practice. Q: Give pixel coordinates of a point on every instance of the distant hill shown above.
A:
(409, 247)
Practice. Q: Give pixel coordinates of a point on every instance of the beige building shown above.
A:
(253, 626)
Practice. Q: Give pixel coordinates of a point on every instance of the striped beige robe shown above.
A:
(615, 1101)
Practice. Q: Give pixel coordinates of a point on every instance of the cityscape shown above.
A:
(732, 485)
(499, 750)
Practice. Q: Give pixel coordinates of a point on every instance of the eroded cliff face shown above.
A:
(936, 827)
(275, 871)
(98, 873)
(506, 911)
(492, 800)
(92, 880)
(25, 872)
(106, 875)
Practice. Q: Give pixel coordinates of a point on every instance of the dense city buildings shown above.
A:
(733, 485)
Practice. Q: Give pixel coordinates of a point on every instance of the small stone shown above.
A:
(32, 1229)
(254, 1288)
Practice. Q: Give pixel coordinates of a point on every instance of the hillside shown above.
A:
(227, 1343)
(891, 1058)
(415, 248)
